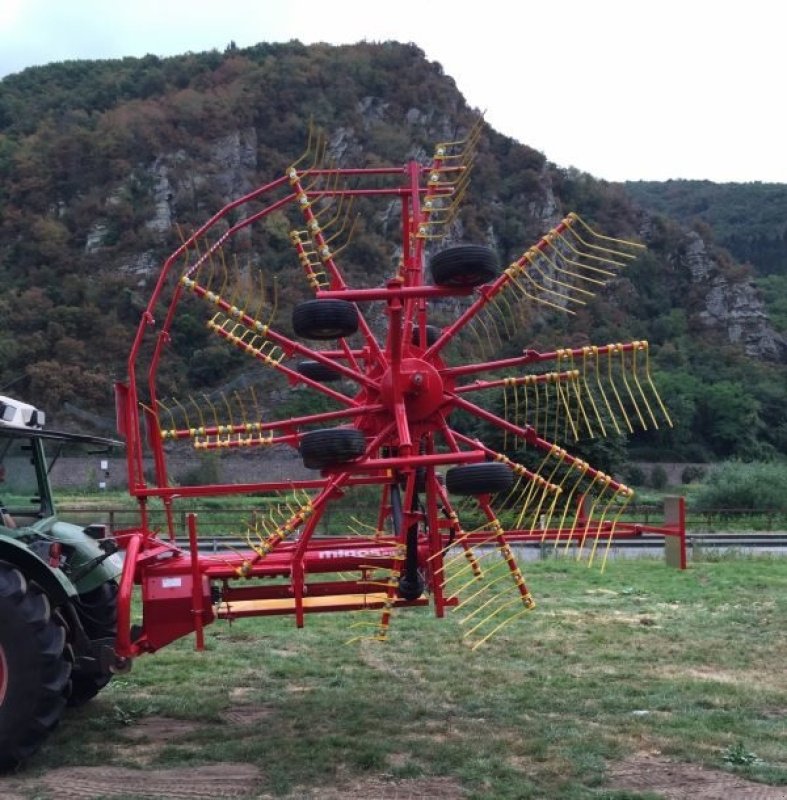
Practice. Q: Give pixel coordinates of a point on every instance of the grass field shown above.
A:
(642, 671)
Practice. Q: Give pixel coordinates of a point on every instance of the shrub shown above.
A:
(756, 486)
(634, 475)
(658, 477)
(692, 473)
(208, 471)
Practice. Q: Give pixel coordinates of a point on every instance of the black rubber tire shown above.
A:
(486, 478)
(324, 319)
(432, 335)
(34, 670)
(330, 447)
(420, 480)
(464, 265)
(317, 371)
(98, 612)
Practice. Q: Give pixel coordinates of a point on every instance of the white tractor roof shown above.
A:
(16, 414)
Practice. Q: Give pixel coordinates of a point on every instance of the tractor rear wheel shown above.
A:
(98, 612)
(34, 670)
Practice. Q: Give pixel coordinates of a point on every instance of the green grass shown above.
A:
(643, 658)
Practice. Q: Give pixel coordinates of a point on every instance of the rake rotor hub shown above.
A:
(419, 385)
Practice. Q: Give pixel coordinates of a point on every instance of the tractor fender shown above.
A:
(52, 581)
(89, 564)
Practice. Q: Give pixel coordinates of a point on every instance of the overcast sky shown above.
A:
(623, 89)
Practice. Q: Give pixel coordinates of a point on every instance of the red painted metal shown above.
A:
(399, 395)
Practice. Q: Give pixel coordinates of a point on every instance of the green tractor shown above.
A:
(58, 589)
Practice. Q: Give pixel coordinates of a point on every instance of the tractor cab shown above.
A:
(28, 452)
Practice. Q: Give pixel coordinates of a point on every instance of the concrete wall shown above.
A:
(86, 472)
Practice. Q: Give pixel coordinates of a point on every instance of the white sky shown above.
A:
(623, 89)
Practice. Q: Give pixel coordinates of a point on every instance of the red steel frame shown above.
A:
(405, 396)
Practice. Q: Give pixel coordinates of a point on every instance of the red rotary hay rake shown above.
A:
(402, 405)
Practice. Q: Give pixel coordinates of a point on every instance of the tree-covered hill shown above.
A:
(103, 164)
(748, 219)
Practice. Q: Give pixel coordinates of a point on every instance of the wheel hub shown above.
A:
(421, 387)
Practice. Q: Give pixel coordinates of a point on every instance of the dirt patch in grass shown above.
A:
(739, 677)
(375, 789)
(141, 742)
(183, 783)
(243, 694)
(246, 715)
(160, 729)
(676, 781)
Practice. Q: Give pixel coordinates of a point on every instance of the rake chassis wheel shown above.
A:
(392, 428)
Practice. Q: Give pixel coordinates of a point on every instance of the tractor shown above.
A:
(58, 588)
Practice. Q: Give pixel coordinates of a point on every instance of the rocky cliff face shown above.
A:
(731, 303)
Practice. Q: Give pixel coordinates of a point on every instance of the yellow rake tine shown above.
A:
(580, 505)
(591, 513)
(568, 502)
(478, 610)
(577, 275)
(494, 613)
(612, 350)
(626, 242)
(585, 352)
(472, 328)
(635, 376)
(541, 288)
(532, 488)
(198, 410)
(514, 282)
(229, 409)
(307, 150)
(544, 495)
(169, 413)
(536, 402)
(548, 516)
(500, 627)
(600, 524)
(480, 317)
(505, 416)
(628, 388)
(517, 483)
(458, 557)
(517, 422)
(460, 572)
(603, 393)
(497, 301)
(602, 259)
(186, 421)
(626, 501)
(486, 584)
(649, 378)
(564, 400)
(547, 279)
(580, 403)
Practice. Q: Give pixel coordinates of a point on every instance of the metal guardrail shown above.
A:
(232, 520)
